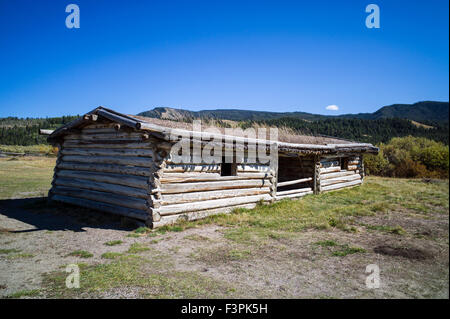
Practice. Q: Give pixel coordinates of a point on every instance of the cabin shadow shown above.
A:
(40, 214)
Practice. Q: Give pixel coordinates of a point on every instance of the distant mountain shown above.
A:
(422, 112)
(226, 114)
(426, 111)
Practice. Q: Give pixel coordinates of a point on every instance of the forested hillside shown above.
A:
(370, 131)
(20, 131)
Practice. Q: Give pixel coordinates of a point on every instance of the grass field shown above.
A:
(316, 247)
(22, 177)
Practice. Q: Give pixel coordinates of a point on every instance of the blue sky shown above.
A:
(274, 56)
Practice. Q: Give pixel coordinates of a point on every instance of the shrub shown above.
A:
(409, 157)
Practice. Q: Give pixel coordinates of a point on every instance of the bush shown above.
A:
(409, 157)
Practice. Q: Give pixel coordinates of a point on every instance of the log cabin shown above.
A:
(130, 166)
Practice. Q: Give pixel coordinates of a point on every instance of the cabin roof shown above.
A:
(287, 141)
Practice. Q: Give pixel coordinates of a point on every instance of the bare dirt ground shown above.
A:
(36, 240)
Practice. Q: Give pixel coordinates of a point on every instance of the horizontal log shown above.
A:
(121, 160)
(123, 201)
(99, 126)
(101, 130)
(341, 185)
(45, 132)
(105, 136)
(293, 195)
(108, 152)
(330, 170)
(294, 191)
(177, 168)
(113, 209)
(203, 177)
(337, 174)
(253, 168)
(353, 167)
(171, 219)
(208, 186)
(211, 204)
(106, 168)
(341, 179)
(353, 163)
(147, 144)
(118, 179)
(296, 181)
(170, 199)
(102, 187)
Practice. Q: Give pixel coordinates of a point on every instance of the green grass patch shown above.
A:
(113, 242)
(154, 277)
(345, 250)
(25, 293)
(81, 254)
(21, 256)
(326, 243)
(137, 248)
(111, 255)
(9, 251)
(397, 230)
(133, 235)
(142, 230)
(196, 237)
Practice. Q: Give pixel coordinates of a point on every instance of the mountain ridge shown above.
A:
(424, 111)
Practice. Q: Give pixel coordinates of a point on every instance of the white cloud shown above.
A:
(332, 107)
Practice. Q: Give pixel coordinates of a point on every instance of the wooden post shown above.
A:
(361, 171)
(317, 175)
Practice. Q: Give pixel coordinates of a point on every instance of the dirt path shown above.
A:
(36, 240)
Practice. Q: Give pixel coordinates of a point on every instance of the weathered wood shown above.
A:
(207, 186)
(293, 191)
(122, 119)
(177, 168)
(106, 168)
(114, 209)
(293, 182)
(202, 177)
(253, 168)
(210, 204)
(337, 174)
(294, 195)
(317, 177)
(102, 187)
(105, 136)
(119, 179)
(108, 152)
(353, 167)
(341, 185)
(113, 144)
(121, 160)
(170, 199)
(190, 216)
(123, 201)
(45, 132)
(330, 169)
(341, 179)
(113, 129)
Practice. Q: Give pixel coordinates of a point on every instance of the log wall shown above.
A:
(107, 168)
(339, 172)
(193, 191)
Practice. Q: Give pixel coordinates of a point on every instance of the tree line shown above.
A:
(361, 130)
(25, 131)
